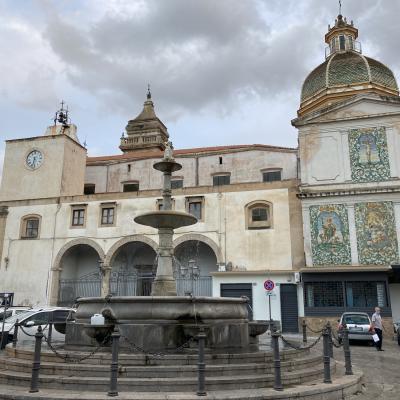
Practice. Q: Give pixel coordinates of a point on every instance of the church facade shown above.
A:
(321, 221)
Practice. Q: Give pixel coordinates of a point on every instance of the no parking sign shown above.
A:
(269, 285)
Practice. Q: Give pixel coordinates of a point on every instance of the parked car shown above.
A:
(396, 328)
(358, 323)
(31, 319)
(11, 311)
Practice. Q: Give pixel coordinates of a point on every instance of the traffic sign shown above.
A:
(269, 285)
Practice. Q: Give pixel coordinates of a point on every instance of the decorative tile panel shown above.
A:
(376, 233)
(330, 239)
(369, 158)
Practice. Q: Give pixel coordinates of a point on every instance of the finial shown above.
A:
(148, 92)
(340, 7)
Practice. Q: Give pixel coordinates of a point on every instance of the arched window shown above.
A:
(30, 226)
(259, 215)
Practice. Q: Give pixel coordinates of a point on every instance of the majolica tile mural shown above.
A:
(376, 233)
(330, 241)
(369, 158)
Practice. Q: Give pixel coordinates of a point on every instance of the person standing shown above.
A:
(377, 327)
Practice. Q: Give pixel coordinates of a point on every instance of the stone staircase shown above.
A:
(170, 375)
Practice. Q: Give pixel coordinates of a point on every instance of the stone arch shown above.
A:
(57, 268)
(201, 238)
(128, 239)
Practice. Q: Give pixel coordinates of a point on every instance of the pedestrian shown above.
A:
(377, 327)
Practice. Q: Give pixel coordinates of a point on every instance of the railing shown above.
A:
(349, 45)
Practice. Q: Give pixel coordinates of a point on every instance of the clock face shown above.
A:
(34, 159)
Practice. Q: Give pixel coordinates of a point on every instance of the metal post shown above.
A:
(304, 326)
(277, 361)
(346, 350)
(15, 335)
(50, 334)
(114, 363)
(327, 358)
(329, 329)
(201, 366)
(36, 361)
(4, 337)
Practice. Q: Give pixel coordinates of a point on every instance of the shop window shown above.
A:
(30, 227)
(258, 215)
(89, 188)
(366, 294)
(130, 186)
(272, 175)
(195, 206)
(323, 294)
(107, 214)
(219, 180)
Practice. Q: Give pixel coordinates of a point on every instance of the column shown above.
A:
(3, 222)
(396, 206)
(352, 234)
(307, 235)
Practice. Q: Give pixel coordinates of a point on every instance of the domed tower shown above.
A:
(345, 72)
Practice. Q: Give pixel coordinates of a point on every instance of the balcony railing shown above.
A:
(348, 45)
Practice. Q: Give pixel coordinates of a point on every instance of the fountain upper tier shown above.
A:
(166, 219)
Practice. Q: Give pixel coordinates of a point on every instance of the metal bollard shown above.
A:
(329, 329)
(346, 350)
(327, 358)
(36, 361)
(304, 326)
(201, 366)
(15, 335)
(114, 363)
(277, 361)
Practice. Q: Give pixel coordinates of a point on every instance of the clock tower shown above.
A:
(45, 166)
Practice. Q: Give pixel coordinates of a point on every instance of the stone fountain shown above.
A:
(163, 320)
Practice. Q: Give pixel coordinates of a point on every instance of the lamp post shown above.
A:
(3, 336)
(192, 272)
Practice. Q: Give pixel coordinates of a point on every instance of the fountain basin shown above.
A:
(166, 322)
(166, 219)
(98, 332)
(167, 166)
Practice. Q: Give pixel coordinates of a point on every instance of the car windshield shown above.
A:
(19, 317)
(356, 319)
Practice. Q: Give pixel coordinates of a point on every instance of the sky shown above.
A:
(221, 71)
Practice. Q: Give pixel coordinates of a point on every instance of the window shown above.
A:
(323, 294)
(30, 227)
(160, 204)
(40, 318)
(129, 167)
(78, 212)
(342, 42)
(176, 183)
(107, 216)
(195, 206)
(131, 187)
(365, 294)
(258, 215)
(351, 44)
(219, 180)
(220, 161)
(271, 176)
(89, 188)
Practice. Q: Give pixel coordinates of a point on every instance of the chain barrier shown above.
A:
(312, 330)
(338, 345)
(300, 347)
(139, 349)
(73, 360)
(28, 334)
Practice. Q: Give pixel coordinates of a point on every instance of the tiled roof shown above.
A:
(152, 153)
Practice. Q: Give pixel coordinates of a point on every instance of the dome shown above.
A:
(348, 69)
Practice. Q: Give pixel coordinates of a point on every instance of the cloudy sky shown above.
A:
(221, 71)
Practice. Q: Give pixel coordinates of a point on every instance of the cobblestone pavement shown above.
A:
(381, 370)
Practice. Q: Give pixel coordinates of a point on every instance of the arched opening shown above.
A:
(194, 262)
(133, 267)
(80, 274)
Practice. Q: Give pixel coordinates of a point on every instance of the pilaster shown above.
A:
(352, 234)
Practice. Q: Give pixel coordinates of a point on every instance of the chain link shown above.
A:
(68, 358)
(299, 347)
(314, 331)
(139, 349)
(28, 334)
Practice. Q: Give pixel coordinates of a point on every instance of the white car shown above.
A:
(11, 311)
(31, 319)
(358, 324)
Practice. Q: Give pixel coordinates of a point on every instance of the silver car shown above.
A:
(359, 325)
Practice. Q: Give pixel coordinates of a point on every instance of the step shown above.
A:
(86, 369)
(233, 382)
(341, 387)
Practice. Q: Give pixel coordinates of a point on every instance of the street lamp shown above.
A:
(3, 336)
(192, 272)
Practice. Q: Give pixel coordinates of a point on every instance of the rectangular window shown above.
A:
(78, 217)
(271, 176)
(107, 216)
(365, 294)
(259, 214)
(131, 187)
(323, 294)
(32, 228)
(342, 42)
(177, 184)
(194, 206)
(89, 188)
(219, 180)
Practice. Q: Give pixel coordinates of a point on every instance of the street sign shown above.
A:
(269, 285)
(270, 294)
